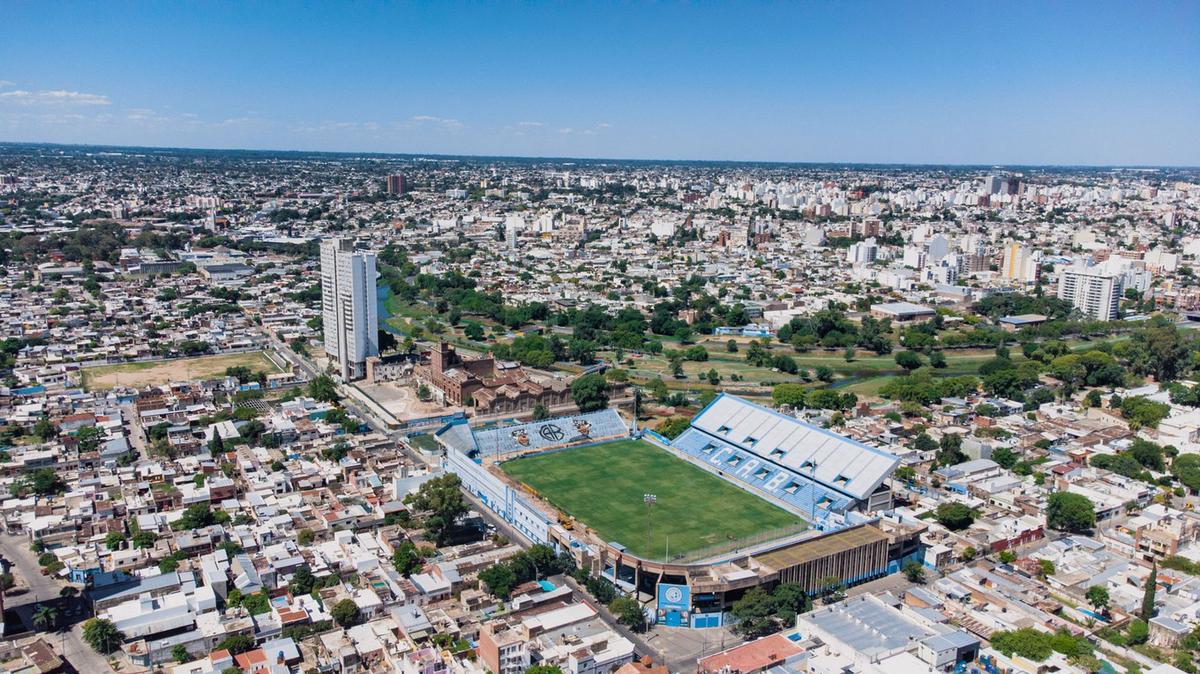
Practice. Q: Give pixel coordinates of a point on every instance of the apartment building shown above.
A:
(349, 306)
(1092, 292)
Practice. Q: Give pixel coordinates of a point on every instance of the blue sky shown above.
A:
(953, 82)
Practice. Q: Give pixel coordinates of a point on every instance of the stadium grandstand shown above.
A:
(502, 442)
(814, 472)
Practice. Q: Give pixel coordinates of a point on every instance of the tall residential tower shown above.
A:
(349, 306)
(1091, 291)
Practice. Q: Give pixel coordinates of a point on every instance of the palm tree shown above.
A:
(45, 617)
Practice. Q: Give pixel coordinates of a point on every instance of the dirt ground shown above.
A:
(402, 402)
(161, 372)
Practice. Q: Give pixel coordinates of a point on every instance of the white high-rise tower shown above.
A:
(349, 306)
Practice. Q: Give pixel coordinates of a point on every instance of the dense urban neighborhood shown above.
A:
(297, 413)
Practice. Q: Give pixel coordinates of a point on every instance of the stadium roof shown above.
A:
(829, 458)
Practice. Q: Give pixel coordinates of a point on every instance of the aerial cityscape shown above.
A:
(466, 394)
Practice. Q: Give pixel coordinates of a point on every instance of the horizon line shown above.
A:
(376, 153)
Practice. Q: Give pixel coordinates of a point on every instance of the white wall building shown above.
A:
(863, 252)
(350, 310)
(1094, 293)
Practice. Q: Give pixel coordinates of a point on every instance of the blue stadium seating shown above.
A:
(557, 432)
(807, 497)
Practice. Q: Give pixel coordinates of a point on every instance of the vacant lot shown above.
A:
(161, 372)
(603, 487)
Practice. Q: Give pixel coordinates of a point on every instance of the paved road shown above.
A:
(137, 434)
(69, 642)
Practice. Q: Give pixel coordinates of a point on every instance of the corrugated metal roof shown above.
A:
(806, 551)
(832, 459)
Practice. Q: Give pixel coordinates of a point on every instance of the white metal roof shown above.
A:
(829, 458)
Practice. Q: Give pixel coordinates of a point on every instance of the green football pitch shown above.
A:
(603, 487)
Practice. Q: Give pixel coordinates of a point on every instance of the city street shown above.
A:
(68, 640)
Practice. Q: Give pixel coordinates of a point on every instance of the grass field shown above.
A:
(603, 487)
(149, 373)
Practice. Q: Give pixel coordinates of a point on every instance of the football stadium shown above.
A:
(744, 497)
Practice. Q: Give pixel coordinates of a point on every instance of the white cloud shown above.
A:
(530, 125)
(6, 83)
(444, 122)
(53, 97)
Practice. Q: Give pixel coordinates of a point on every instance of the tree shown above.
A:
(1004, 457)
(102, 635)
(216, 446)
(302, 581)
(1138, 632)
(407, 559)
(629, 613)
(950, 450)
(196, 516)
(45, 617)
(673, 427)
(914, 572)
(731, 346)
(1142, 412)
(789, 394)
(1186, 468)
(601, 588)
(1066, 511)
(955, 516)
(180, 653)
(1151, 589)
(909, 360)
(540, 413)
(43, 482)
(45, 429)
(790, 600)
(114, 540)
(924, 443)
(305, 537)
(442, 499)
(755, 613)
(499, 579)
(1026, 642)
(236, 644)
(345, 613)
(543, 669)
(473, 331)
(1097, 596)
(590, 392)
(937, 359)
(323, 389)
(144, 539)
(89, 438)
(1045, 568)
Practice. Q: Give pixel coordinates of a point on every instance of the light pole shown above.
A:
(649, 500)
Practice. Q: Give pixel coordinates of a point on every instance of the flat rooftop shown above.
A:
(806, 551)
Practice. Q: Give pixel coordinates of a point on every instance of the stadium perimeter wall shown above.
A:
(500, 498)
